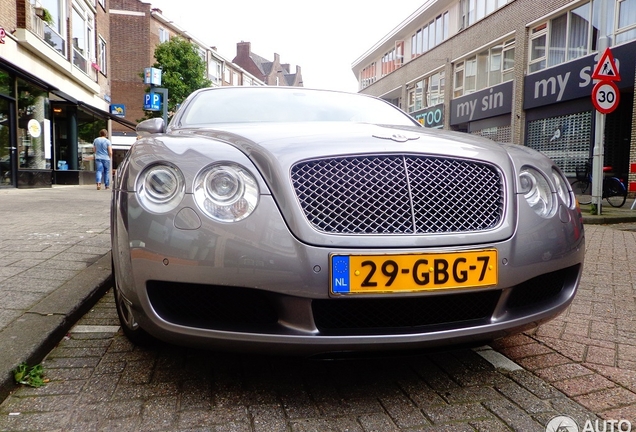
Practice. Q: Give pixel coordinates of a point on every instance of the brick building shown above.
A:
(54, 90)
(136, 30)
(272, 73)
(513, 70)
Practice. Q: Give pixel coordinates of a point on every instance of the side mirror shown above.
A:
(151, 126)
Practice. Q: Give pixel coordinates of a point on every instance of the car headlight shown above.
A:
(226, 192)
(160, 188)
(563, 188)
(536, 190)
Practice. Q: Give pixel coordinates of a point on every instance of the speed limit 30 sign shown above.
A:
(605, 96)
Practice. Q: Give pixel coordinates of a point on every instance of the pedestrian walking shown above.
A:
(103, 154)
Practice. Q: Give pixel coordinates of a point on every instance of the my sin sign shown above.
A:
(605, 94)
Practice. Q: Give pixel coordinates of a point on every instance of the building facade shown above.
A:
(516, 71)
(54, 90)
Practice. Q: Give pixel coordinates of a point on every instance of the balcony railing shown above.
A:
(48, 34)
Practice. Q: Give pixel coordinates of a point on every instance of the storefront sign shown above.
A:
(431, 116)
(573, 80)
(490, 102)
(118, 109)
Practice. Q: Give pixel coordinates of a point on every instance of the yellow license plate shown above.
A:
(359, 274)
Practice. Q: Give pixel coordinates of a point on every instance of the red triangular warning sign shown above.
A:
(606, 69)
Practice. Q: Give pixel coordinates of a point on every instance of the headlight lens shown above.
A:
(563, 188)
(536, 190)
(160, 188)
(226, 192)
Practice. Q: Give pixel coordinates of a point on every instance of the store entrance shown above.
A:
(618, 130)
(8, 153)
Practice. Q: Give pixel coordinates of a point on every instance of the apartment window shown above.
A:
(431, 35)
(458, 88)
(164, 36)
(426, 92)
(102, 3)
(83, 39)
(563, 38)
(488, 68)
(247, 81)
(102, 59)
(471, 11)
(389, 62)
(214, 71)
(235, 78)
(55, 33)
(368, 75)
(226, 76)
(626, 24)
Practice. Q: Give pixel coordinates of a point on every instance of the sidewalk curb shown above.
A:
(30, 338)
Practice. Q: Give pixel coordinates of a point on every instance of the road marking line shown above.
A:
(498, 360)
(94, 329)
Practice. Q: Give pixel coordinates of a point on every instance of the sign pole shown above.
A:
(599, 123)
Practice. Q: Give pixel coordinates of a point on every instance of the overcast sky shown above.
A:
(322, 37)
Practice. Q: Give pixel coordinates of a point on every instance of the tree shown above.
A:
(183, 71)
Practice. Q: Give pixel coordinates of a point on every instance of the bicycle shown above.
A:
(614, 191)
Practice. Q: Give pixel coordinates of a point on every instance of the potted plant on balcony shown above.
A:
(44, 15)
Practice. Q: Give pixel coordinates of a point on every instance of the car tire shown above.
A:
(129, 325)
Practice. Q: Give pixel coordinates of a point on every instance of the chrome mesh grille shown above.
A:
(398, 194)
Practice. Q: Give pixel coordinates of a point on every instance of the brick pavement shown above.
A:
(589, 351)
(99, 381)
(579, 364)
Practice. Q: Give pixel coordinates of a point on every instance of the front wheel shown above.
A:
(583, 191)
(615, 192)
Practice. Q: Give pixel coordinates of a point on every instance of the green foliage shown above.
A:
(32, 376)
(47, 17)
(183, 71)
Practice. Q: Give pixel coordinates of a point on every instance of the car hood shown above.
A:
(282, 145)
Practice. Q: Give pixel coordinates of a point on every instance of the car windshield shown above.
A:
(255, 105)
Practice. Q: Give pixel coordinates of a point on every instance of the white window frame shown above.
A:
(622, 31)
(505, 74)
(102, 59)
(164, 35)
(85, 52)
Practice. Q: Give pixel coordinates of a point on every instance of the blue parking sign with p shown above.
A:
(152, 101)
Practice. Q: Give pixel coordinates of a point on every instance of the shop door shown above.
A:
(8, 150)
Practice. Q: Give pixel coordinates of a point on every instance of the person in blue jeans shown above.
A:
(103, 154)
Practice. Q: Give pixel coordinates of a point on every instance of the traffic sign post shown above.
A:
(605, 98)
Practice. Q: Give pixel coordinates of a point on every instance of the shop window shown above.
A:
(565, 139)
(498, 133)
(88, 127)
(33, 151)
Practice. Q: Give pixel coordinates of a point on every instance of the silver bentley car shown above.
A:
(304, 221)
